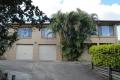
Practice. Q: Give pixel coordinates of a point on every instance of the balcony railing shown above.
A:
(102, 39)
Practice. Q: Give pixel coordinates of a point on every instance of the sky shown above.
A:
(105, 9)
(110, 2)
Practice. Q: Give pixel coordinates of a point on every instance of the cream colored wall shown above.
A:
(10, 53)
(35, 40)
(85, 55)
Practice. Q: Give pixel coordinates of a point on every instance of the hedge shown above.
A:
(106, 55)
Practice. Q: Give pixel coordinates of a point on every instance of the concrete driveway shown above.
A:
(37, 70)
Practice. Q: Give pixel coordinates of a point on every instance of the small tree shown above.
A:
(73, 28)
(20, 12)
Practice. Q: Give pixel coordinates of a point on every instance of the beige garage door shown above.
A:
(47, 52)
(24, 52)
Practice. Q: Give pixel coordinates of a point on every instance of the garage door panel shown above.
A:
(47, 52)
(24, 52)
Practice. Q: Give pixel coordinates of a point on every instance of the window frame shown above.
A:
(20, 35)
(110, 28)
(43, 34)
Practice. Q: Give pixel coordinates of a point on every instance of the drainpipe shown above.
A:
(98, 43)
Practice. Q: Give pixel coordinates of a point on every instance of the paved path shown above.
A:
(31, 70)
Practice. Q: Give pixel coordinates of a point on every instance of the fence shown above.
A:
(112, 74)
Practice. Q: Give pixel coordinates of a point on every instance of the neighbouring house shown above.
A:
(35, 44)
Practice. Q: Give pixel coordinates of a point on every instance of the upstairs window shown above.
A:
(105, 30)
(24, 32)
(47, 33)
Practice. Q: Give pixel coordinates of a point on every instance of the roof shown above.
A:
(108, 22)
(99, 22)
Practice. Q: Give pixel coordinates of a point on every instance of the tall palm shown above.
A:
(73, 29)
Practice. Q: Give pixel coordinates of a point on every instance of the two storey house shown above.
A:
(35, 44)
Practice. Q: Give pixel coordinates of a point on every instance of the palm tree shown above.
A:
(73, 28)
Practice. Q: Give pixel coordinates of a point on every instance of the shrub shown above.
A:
(106, 55)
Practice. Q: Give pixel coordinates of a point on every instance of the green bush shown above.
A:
(106, 55)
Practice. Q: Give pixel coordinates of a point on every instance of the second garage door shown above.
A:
(47, 52)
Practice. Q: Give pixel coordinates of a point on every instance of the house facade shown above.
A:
(35, 44)
(106, 33)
